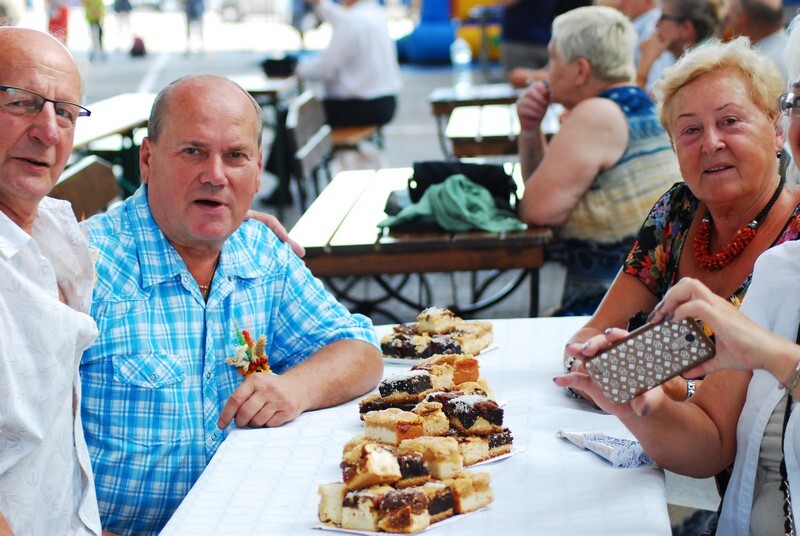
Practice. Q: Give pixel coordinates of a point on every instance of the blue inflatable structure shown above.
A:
(430, 40)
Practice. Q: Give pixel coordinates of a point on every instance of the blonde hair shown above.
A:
(602, 35)
(762, 76)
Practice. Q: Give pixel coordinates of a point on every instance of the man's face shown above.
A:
(205, 168)
(34, 149)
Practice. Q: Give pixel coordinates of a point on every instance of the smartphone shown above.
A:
(649, 356)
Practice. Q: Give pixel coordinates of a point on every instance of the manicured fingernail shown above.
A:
(645, 410)
(607, 331)
(586, 345)
(669, 316)
(651, 316)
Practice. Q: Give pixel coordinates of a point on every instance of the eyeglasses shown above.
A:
(789, 104)
(18, 101)
(671, 17)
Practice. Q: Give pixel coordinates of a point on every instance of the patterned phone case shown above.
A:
(649, 356)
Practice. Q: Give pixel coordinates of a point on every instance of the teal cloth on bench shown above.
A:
(457, 204)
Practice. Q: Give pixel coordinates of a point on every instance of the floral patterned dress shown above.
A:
(656, 254)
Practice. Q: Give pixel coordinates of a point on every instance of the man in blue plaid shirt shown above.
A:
(178, 275)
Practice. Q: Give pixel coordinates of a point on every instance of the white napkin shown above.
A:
(620, 452)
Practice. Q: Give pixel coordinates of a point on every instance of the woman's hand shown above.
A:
(532, 105)
(740, 342)
(280, 231)
(586, 387)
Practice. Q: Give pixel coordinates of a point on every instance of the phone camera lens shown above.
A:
(689, 337)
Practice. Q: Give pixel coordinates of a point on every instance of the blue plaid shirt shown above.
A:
(156, 379)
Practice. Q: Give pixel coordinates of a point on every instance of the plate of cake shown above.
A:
(436, 331)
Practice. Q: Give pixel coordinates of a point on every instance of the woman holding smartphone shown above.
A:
(745, 409)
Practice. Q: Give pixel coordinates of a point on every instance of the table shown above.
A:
(341, 236)
(486, 130)
(121, 115)
(491, 129)
(264, 481)
(444, 100)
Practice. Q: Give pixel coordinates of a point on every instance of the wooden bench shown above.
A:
(90, 185)
(351, 137)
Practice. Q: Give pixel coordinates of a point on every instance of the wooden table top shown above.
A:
(120, 114)
(267, 90)
(483, 130)
(341, 235)
(445, 99)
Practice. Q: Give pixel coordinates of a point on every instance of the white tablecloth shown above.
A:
(265, 481)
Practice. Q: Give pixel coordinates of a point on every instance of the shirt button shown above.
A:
(208, 375)
(213, 437)
(153, 377)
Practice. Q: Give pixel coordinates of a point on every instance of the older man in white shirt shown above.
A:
(46, 278)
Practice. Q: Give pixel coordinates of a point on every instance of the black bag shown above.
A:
(138, 49)
(493, 177)
(279, 67)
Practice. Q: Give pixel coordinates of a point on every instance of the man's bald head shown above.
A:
(25, 49)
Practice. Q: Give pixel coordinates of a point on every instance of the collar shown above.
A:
(159, 261)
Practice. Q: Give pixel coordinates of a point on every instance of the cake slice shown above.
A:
(470, 491)
(474, 415)
(330, 503)
(360, 508)
(403, 511)
(441, 454)
(405, 387)
(460, 367)
(473, 336)
(437, 320)
(434, 421)
(392, 425)
(500, 443)
(369, 464)
(440, 500)
(376, 402)
(473, 449)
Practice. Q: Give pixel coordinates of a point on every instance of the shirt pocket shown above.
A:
(148, 392)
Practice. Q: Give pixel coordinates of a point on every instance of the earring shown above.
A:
(779, 154)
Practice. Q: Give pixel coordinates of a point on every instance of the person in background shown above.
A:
(762, 22)
(46, 482)
(682, 25)
(95, 13)
(195, 12)
(359, 69)
(644, 15)
(608, 163)
(122, 9)
(745, 411)
(58, 19)
(159, 397)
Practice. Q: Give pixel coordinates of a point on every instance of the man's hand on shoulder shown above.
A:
(280, 231)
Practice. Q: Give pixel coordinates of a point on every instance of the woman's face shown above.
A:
(726, 145)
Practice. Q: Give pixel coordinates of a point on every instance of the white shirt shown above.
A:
(46, 484)
(773, 47)
(361, 59)
(773, 301)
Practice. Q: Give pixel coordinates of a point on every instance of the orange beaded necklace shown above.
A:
(745, 235)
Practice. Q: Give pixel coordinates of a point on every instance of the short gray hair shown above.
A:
(603, 36)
